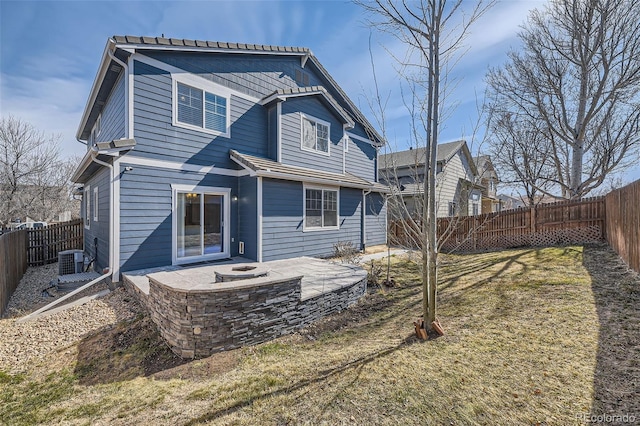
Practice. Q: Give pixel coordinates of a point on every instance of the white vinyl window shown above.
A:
(453, 208)
(95, 204)
(87, 207)
(320, 208)
(200, 107)
(315, 134)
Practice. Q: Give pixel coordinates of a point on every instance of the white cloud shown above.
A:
(52, 105)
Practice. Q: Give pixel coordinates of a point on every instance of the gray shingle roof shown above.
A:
(162, 41)
(269, 168)
(413, 157)
(312, 90)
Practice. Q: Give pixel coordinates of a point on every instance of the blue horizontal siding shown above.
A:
(112, 121)
(360, 159)
(248, 215)
(282, 235)
(292, 153)
(255, 75)
(156, 137)
(99, 229)
(376, 219)
(145, 213)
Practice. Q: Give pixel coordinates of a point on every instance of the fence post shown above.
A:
(533, 218)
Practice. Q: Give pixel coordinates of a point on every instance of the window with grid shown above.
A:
(321, 208)
(200, 108)
(315, 135)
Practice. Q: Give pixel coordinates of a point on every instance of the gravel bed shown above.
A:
(45, 337)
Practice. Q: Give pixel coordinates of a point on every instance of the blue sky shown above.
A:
(50, 52)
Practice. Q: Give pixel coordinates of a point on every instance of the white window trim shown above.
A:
(95, 204)
(226, 193)
(360, 138)
(304, 208)
(200, 84)
(87, 207)
(304, 116)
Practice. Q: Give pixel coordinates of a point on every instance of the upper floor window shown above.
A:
(315, 134)
(200, 109)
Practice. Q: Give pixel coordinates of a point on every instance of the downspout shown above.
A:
(111, 207)
(363, 242)
(114, 194)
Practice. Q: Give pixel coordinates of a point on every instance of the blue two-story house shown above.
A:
(202, 150)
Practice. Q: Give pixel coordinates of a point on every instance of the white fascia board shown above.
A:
(187, 76)
(362, 139)
(97, 82)
(84, 163)
(250, 172)
(87, 159)
(174, 165)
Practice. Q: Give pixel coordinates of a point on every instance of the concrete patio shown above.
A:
(198, 313)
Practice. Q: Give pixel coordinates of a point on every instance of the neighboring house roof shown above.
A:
(109, 71)
(282, 94)
(484, 164)
(414, 157)
(268, 168)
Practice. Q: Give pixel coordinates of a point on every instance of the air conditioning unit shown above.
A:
(70, 262)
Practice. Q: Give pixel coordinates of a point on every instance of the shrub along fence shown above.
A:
(623, 223)
(45, 243)
(13, 264)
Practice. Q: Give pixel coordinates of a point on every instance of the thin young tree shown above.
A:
(577, 76)
(433, 32)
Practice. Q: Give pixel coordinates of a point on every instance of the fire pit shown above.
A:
(241, 271)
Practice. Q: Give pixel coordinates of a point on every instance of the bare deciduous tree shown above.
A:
(577, 80)
(519, 149)
(433, 32)
(34, 181)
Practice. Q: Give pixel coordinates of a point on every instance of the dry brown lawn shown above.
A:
(533, 336)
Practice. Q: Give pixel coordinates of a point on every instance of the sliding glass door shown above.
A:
(200, 225)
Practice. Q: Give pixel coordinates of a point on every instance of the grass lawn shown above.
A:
(533, 336)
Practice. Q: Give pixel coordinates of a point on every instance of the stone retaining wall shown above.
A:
(200, 323)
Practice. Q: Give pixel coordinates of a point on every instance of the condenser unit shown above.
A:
(70, 262)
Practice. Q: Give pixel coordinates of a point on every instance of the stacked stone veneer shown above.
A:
(197, 323)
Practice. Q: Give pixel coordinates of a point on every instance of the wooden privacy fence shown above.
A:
(565, 222)
(44, 244)
(13, 264)
(623, 223)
